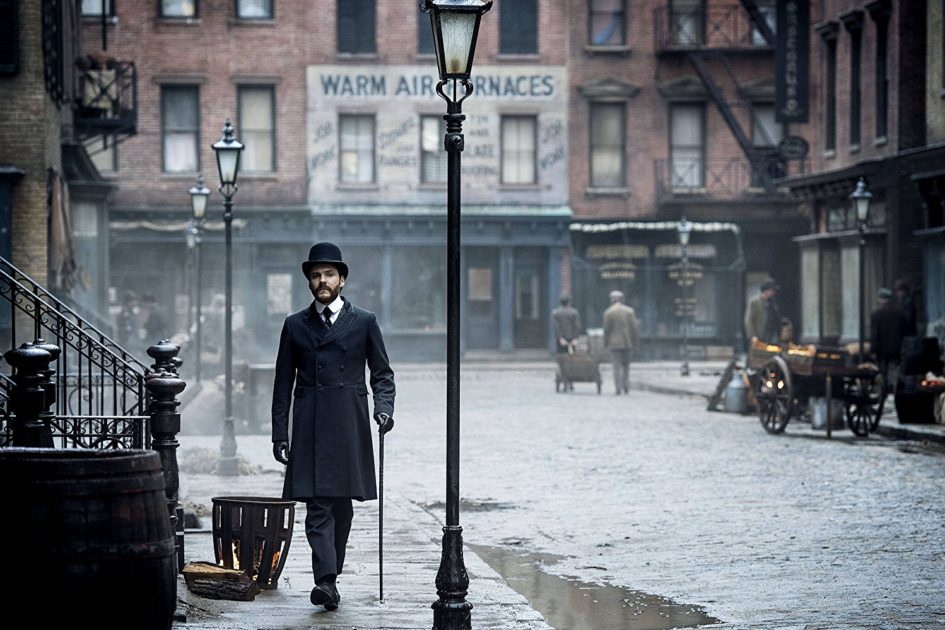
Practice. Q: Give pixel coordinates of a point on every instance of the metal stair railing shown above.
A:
(100, 400)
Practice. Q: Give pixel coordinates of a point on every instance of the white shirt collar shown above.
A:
(335, 307)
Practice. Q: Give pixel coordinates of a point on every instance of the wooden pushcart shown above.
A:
(580, 365)
(785, 377)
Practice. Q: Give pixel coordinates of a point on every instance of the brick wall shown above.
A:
(29, 139)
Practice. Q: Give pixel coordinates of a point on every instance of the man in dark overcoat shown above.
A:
(320, 371)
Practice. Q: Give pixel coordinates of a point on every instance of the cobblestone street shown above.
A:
(652, 493)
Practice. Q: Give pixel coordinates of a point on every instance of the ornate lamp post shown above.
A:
(455, 26)
(684, 230)
(198, 204)
(228, 151)
(861, 198)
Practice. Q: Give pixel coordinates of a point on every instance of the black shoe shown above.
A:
(325, 594)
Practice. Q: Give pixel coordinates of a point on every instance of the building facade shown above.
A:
(877, 116)
(336, 105)
(673, 116)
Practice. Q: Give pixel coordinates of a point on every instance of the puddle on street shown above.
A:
(568, 604)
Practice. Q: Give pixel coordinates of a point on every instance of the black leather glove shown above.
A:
(384, 422)
(280, 450)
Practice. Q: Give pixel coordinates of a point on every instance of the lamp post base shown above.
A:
(451, 611)
(229, 466)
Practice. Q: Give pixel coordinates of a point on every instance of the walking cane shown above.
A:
(380, 527)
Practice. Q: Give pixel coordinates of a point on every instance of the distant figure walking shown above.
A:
(567, 321)
(155, 324)
(127, 324)
(621, 337)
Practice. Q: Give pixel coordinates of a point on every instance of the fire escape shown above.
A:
(101, 91)
(709, 37)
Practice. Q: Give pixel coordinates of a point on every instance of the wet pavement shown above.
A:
(599, 512)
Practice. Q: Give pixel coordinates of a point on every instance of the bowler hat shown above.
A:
(884, 294)
(325, 254)
(770, 283)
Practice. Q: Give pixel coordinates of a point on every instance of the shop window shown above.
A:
(357, 149)
(418, 293)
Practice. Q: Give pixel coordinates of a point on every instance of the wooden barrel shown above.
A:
(87, 538)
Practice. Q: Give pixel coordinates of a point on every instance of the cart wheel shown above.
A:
(864, 397)
(775, 395)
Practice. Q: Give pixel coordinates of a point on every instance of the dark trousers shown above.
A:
(620, 357)
(327, 525)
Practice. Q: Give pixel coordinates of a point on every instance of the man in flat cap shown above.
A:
(762, 316)
(320, 371)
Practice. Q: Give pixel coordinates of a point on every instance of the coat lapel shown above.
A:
(315, 323)
(340, 327)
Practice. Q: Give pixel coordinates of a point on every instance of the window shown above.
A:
(518, 27)
(686, 22)
(765, 130)
(356, 26)
(687, 146)
(855, 69)
(607, 23)
(180, 128)
(257, 124)
(424, 34)
(357, 149)
(279, 294)
(830, 111)
(9, 37)
(254, 9)
(418, 293)
(102, 152)
(769, 14)
(97, 7)
(608, 138)
(178, 8)
(518, 149)
(882, 76)
(433, 157)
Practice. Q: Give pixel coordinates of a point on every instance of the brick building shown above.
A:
(672, 115)
(344, 136)
(604, 112)
(878, 115)
(50, 193)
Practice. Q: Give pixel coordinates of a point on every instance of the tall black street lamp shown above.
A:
(861, 203)
(228, 151)
(684, 230)
(198, 206)
(455, 26)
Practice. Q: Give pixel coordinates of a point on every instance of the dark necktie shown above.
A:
(327, 313)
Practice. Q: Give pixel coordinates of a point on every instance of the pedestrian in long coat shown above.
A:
(319, 372)
(621, 337)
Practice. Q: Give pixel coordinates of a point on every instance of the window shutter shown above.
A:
(518, 27)
(356, 26)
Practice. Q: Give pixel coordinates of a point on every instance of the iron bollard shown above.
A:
(163, 387)
(29, 395)
(165, 356)
(46, 417)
